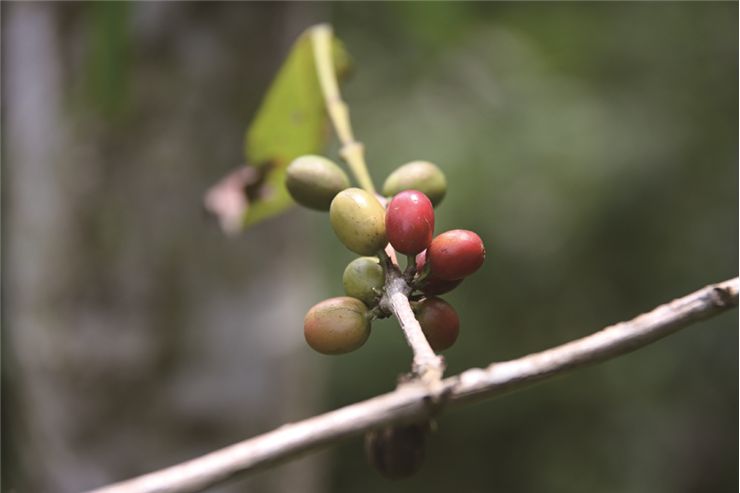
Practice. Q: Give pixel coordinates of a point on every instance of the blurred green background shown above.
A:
(592, 146)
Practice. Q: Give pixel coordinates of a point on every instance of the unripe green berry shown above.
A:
(358, 220)
(313, 181)
(363, 278)
(337, 325)
(417, 175)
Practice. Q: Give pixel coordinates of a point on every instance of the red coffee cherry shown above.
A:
(439, 322)
(456, 254)
(433, 285)
(409, 222)
(337, 325)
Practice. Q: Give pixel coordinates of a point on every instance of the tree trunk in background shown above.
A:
(136, 335)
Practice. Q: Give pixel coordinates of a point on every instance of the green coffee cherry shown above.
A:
(358, 220)
(362, 278)
(337, 325)
(417, 175)
(313, 181)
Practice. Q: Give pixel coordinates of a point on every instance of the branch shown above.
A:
(427, 365)
(352, 151)
(411, 402)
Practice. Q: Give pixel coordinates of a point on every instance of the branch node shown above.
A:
(724, 297)
(427, 366)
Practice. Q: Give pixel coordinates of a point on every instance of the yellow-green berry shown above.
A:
(363, 279)
(313, 181)
(417, 175)
(358, 220)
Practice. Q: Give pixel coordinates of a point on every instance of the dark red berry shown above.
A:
(397, 451)
(433, 285)
(409, 222)
(439, 322)
(456, 254)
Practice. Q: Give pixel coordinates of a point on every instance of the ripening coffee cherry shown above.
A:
(433, 285)
(337, 325)
(362, 278)
(397, 452)
(417, 175)
(358, 220)
(313, 181)
(439, 322)
(455, 254)
(409, 222)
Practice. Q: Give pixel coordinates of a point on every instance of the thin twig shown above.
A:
(426, 365)
(410, 271)
(352, 151)
(411, 402)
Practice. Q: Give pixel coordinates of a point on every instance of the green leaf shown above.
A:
(291, 122)
(110, 58)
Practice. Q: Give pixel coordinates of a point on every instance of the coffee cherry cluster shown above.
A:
(365, 226)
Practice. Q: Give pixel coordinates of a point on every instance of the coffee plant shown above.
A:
(401, 270)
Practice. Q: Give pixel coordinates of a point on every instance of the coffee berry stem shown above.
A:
(385, 261)
(352, 151)
(377, 312)
(425, 272)
(410, 267)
